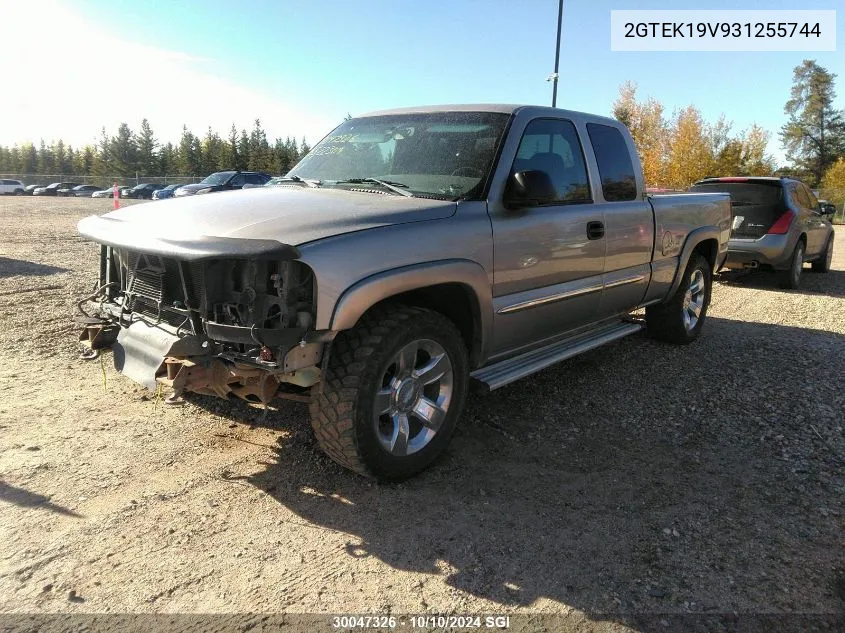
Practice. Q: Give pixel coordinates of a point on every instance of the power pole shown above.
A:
(554, 76)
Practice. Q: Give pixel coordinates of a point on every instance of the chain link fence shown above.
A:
(103, 181)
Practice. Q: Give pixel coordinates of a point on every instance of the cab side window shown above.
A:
(552, 146)
(618, 182)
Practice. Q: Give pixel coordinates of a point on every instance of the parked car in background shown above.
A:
(79, 191)
(53, 188)
(167, 192)
(224, 181)
(108, 192)
(27, 191)
(142, 191)
(776, 225)
(11, 187)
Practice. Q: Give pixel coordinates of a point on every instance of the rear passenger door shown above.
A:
(628, 218)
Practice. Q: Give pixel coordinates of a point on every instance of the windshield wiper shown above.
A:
(308, 182)
(387, 184)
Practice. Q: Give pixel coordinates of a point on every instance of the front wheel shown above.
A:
(392, 392)
(680, 319)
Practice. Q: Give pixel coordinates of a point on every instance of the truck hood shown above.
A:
(208, 225)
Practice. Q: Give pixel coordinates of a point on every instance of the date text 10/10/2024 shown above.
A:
(363, 622)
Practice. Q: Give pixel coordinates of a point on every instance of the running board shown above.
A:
(506, 371)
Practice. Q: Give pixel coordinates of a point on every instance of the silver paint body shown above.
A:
(532, 274)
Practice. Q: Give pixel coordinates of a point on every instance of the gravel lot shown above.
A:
(638, 479)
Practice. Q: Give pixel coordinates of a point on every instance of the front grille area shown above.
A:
(152, 286)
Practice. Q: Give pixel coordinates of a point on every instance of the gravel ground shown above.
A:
(635, 480)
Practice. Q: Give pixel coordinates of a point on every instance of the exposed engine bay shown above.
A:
(212, 326)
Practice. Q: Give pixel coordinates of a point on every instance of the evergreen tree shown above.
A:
(168, 160)
(147, 150)
(87, 156)
(123, 152)
(242, 160)
(45, 164)
(214, 151)
(814, 136)
(259, 149)
(102, 167)
(234, 150)
(190, 154)
(28, 159)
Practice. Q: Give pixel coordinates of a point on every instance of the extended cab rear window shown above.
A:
(616, 170)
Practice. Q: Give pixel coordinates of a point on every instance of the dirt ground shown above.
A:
(637, 479)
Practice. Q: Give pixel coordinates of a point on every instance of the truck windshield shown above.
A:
(441, 154)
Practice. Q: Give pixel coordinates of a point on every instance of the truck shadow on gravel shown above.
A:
(23, 268)
(831, 284)
(635, 480)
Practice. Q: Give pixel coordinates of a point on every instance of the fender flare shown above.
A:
(362, 295)
(694, 238)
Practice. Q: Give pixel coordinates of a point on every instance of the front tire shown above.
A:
(822, 264)
(680, 319)
(791, 278)
(392, 392)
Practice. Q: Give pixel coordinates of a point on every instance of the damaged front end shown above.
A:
(216, 316)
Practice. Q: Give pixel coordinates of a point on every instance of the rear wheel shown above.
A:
(681, 318)
(393, 389)
(822, 264)
(791, 277)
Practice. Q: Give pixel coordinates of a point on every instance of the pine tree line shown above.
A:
(128, 153)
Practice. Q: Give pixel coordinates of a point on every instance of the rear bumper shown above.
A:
(774, 251)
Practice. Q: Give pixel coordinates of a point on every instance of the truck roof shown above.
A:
(505, 108)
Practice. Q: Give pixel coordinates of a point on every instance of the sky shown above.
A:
(72, 67)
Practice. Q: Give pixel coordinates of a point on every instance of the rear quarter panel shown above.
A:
(682, 221)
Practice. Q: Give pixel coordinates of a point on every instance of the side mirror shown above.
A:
(529, 188)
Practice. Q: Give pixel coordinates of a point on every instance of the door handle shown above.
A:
(595, 230)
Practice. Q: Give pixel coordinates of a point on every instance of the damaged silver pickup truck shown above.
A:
(410, 254)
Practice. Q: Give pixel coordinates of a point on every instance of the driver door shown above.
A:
(549, 259)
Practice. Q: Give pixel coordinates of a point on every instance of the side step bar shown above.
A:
(506, 371)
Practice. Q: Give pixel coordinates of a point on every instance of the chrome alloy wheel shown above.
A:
(694, 300)
(416, 390)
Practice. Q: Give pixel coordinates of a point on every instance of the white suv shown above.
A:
(13, 187)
